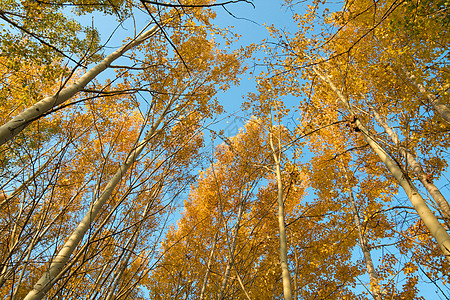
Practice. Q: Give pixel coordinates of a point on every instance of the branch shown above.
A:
(197, 5)
(14, 24)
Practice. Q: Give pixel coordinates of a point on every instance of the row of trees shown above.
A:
(372, 85)
(91, 170)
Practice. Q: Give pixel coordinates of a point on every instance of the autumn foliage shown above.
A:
(107, 190)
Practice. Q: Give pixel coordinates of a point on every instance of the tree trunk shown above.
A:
(373, 276)
(431, 222)
(208, 266)
(374, 282)
(230, 261)
(47, 280)
(437, 105)
(431, 188)
(281, 223)
(130, 248)
(39, 109)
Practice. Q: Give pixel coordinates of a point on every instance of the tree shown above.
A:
(116, 159)
(361, 63)
(98, 145)
(198, 245)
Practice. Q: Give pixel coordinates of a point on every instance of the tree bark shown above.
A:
(374, 282)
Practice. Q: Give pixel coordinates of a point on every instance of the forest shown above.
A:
(120, 178)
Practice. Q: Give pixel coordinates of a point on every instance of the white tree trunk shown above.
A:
(39, 109)
(437, 105)
(431, 222)
(210, 258)
(287, 291)
(231, 251)
(373, 276)
(431, 188)
(374, 282)
(47, 280)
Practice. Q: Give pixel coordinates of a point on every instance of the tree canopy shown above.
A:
(335, 187)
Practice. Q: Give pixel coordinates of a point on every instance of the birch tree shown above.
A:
(382, 55)
(117, 143)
